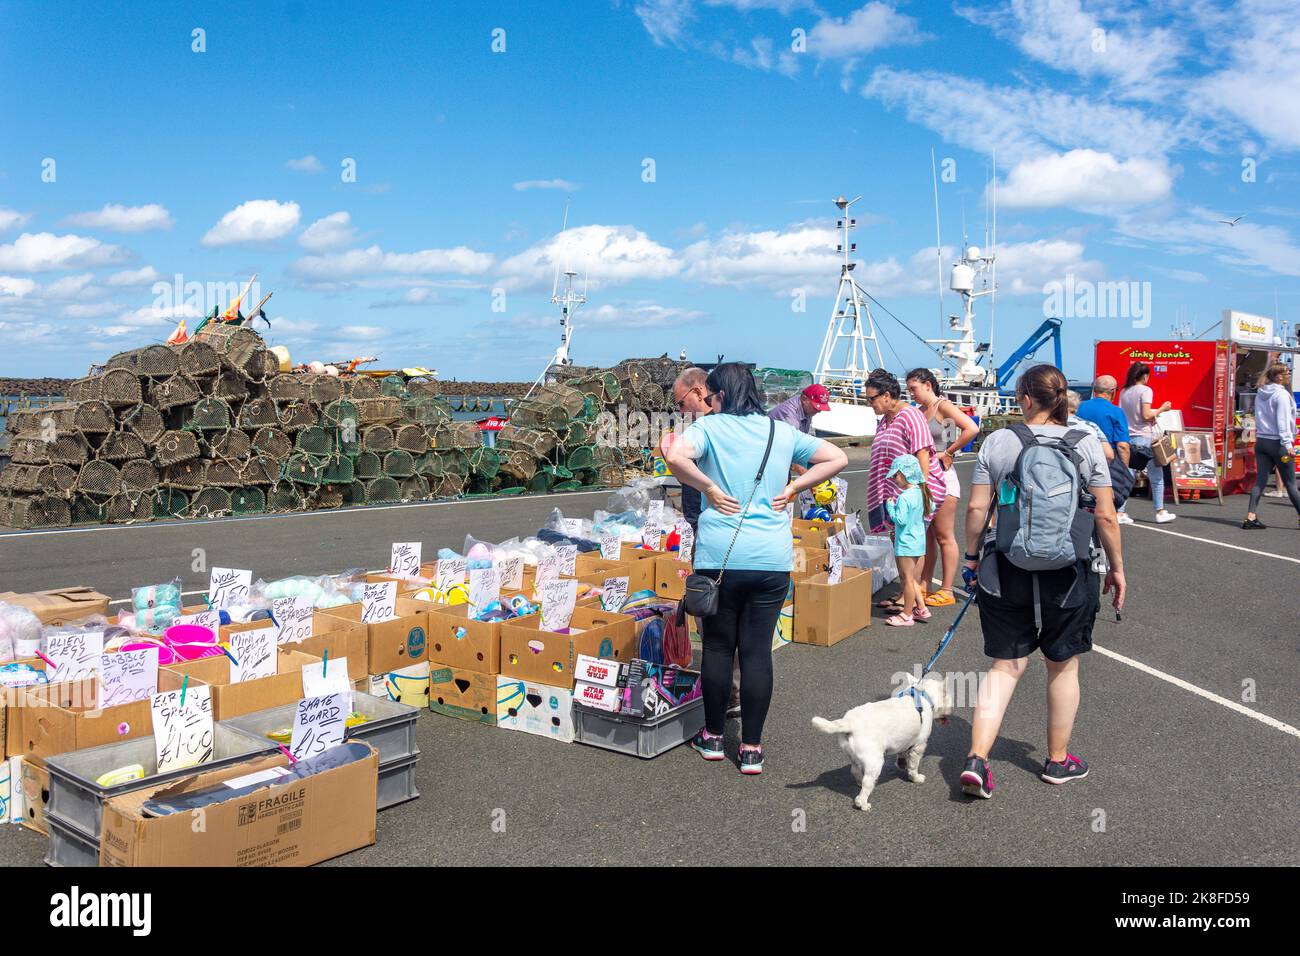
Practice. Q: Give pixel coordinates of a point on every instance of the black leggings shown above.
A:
(749, 604)
(1268, 455)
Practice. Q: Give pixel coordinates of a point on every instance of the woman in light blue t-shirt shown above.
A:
(720, 455)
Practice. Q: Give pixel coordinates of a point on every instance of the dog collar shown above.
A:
(916, 694)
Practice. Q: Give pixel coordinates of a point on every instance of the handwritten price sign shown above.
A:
(449, 573)
(379, 602)
(318, 724)
(484, 588)
(548, 569)
(511, 573)
(182, 733)
(687, 548)
(228, 587)
(255, 650)
(75, 654)
(405, 560)
(294, 615)
(558, 599)
(615, 595)
(568, 555)
(610, 545)
(835, 548)
(328, 677)
(209, 619)
(128, 676)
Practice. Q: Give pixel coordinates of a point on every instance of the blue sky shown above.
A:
(1121, 130)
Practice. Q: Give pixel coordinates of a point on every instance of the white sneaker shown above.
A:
(1275, 493)
(1164, 517)
(1124, 518)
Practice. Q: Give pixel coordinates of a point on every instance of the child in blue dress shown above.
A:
(907, 513)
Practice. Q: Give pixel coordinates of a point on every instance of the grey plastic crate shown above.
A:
(67, 847)
(390, 728)
(397, 784)
(639, 736)
(77, 801)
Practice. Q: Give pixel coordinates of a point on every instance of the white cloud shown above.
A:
(422, 295)
(665, 20)
(639, 315)
(17, 288)
(366, 333)
(608, 254)
(44, 252)
(308, 164)
(26, 333)
(1258, 86)
(89, 310)
(1246, 245)
(1084, 178)
(329, 233)
(770, 256)
(71, 287)
(871, 27)
(12, 219)
(144, 319)
(119, 218)
(258, 220)
(293, 327)
(1025, 267)
(357, 264)
(133, 277)
(547, 184)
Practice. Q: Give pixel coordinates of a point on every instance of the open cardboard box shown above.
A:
(60, 605)
(463, 694)
(813, 534)
(809, 561)
(670, 577)
(342, 639)
(531, 654)
(457, 641)
(825, 614)
(11, 723)
(298, 823)
(59, 718)
(543, 710)
(408, 685)
(235, 700)
(395, 643)
(640, 576)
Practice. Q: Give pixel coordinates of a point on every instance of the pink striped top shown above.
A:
(907, 434)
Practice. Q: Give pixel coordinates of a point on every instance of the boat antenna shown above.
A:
(993, 299)
(938, 242)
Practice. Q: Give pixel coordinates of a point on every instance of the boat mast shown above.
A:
(850, 321)
(569, 302)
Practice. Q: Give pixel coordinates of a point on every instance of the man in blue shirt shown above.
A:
(1101, 411)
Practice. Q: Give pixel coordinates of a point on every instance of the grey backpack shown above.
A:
(1042, 522)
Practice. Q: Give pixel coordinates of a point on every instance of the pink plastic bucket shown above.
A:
(189, 642)
(165, 655)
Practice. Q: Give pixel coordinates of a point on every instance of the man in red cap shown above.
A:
(797, 410)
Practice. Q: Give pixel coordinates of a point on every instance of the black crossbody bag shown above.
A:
(701, 598)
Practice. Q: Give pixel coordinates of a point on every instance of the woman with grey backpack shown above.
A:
(1044, 488)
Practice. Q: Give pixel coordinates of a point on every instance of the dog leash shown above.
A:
(968, 577)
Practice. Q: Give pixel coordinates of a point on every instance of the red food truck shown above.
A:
(1213, 385)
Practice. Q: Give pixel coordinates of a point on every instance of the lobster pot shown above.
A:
(448, 486)
(377, 438)
(305, 469)
(64, 450)
(652, 398)
(174, 447)
(323, 389)
(399, 464)
(314, 440)
(39, 511)
(415, 488)
(198, 358)
(236, 343)
(258, 413)
(393, 386)
(187, 476)
(233, 444)
(425, 410)
(344, 447)
(121, 387)
(536, 443)
(122, 446)
(157, 362)
(360, 386)
(412, 438)
(62, 418)
(127, 508)
(367, 466)
(259, 471)
(339, 471)
(297, 416)
(456, 435)
(382, 491)
(138, 476)
(569, 399)
(272, 443)
(248, 501)
(354, 494)
(24, 477)
(533, 414)
(210, 503)
(580, 433)
(518, 464)
(209, 414)
(225, 474)
(175, 392)
(99, 479)
(89, 389)
(287, 388)
(6, 511)
(55, 479)
(126, 360)
(86, 510)
(338, 414)
(227, 384)
(262, 366)
(484, 462)
(327, 496)
(378, 411)
(603, 387)
(145, 421)
(283, 497)
(170, 503)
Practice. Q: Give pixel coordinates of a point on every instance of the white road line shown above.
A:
(1221, 544)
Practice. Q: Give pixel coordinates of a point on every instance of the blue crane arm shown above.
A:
(1051, 328)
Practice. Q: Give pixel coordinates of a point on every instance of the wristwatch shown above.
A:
(972, 557)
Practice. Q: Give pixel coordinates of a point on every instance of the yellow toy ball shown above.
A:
(824, 494)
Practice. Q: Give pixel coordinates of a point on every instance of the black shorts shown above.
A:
(1069, 598)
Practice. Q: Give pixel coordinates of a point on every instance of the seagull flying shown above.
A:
(1232, 222)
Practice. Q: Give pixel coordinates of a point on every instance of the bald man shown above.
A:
(1102, 411)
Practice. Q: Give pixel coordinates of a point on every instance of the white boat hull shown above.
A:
(846, 419)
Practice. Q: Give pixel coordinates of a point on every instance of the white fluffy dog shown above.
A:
(891, 726)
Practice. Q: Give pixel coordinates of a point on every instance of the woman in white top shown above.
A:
(1136, 401)
(952, 430)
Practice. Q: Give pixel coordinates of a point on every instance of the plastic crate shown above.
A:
(390, 728)
(396, 784)
(77, 801)
(639, 736)
(67, 847)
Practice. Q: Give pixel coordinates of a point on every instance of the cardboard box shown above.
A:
(825, 614)
(298, 823)
(393, 644)
(640, 576)
(11, 723)
(60, 605)
(593, 670)
(463, 694)
(670, 578)
(235, 700)
(35, 785)
(529, 653)
(535, 708)
(343, 639)
(58, 718)
(809, 561)
(457, 641)
(631, 551)
(598, 696)
(783, 633)
(409, 685)
(813, 534)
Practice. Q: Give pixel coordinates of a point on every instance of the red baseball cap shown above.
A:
(820, 396)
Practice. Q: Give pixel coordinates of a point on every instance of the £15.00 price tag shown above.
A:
(379, 602)
(318, 724)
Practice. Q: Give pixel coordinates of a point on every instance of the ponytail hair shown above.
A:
(1045, 385)
(928, 377)
(1135, 372)
(927, 498)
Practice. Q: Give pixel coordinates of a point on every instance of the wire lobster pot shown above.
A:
(283, 498)
(170, 503)
(260, 471)
(378, 439)
(185, 476)
(354, 493)
(305, 469)
(581, 458)
(263, 366)
(518, 464)
(232, 444)
(314, 440)
(175, 447)
(272, 443)
(456, 435)
(198, 358)
(258, 413)
(175, 392)
(393, 386)
(237, 343)
(248, 501)
(484, 462)
(61, 418)
(530, 414)
(37, 511)
(360, 386)
(128, 508)
(59, 480)
(339, 471)
(340, 413)
(227, 384)
(367, 465)
(139, 476)
(64, 450)
(539, 444)
(411, 438)
(287, 388)
(323, 389)
(88, 389)
(382, 491)
(208, 414)
(23, 478)
(210, 503)
(399, 464)
(225, 474)
(448, 486)
(425, 410)
(414, 488)
(327, 496)
(145, 421)
(152, 361)
(297, 416)
(122, 446)
(121, 387)
(378, 411)
(99, 479)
